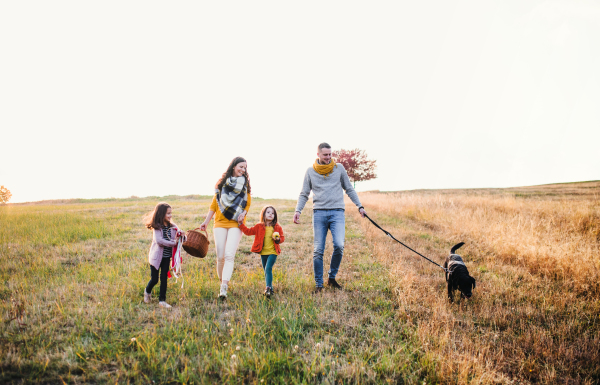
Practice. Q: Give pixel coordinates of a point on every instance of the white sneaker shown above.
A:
(164, 304)
(147, 297)
(223, 292)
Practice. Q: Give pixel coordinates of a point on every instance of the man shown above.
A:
(326, 179)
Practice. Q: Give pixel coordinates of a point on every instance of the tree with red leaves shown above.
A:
(5, 195)
(356, 163)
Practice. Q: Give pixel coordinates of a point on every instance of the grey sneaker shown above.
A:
(164, 304)
(147, 297)
(223, 292)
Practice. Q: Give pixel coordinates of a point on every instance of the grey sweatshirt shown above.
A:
(327, 191)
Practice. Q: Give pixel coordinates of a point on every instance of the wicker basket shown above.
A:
(196, 244)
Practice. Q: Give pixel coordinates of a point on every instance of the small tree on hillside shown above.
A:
(4, 195)
(356, 163)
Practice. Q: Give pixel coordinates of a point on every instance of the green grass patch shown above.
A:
(72, 310)
(51, 228)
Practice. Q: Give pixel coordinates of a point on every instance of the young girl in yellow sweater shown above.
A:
(268, 236)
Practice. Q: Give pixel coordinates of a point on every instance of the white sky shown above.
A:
(121, 98)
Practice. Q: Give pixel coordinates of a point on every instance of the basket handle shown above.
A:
(205, 232)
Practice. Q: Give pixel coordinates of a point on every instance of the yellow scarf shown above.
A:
(324, 169)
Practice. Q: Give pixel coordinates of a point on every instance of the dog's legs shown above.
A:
(446, 269)
(450, 292)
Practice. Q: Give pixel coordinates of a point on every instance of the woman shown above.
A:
(231, 203)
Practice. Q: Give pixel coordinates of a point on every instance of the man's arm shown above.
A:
(351, 192)
(303, 198)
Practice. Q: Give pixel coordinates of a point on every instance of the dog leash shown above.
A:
(414, 251)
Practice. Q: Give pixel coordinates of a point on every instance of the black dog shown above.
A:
(457, 275)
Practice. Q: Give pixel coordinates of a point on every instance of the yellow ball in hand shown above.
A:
(276, 235)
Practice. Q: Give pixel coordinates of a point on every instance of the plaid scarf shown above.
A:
(233, 197)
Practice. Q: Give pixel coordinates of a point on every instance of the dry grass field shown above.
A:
(73, 274)
(535, 253)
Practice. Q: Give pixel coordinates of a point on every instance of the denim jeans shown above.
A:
(268, 261)
(335, 221)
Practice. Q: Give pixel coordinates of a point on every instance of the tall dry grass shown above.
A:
(555, 239)
(535, 314)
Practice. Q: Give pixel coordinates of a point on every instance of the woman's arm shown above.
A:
(207, 220)
(242, 216)
(211, 211)
(158, 236)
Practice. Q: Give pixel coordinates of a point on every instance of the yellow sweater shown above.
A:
(268, 243)
(220, 220)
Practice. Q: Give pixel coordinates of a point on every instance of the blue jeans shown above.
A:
(268, 261)
(335, 221)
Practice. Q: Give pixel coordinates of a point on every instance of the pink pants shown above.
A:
(226, 243)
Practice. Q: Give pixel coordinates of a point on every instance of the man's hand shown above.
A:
(297, 217)
(362, 212)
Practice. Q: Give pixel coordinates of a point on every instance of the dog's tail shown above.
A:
(456, 247)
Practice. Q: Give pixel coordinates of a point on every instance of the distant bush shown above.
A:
(5, 195)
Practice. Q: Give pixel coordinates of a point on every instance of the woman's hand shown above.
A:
(207, 220)
(241, 217)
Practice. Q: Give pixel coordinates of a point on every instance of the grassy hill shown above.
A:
(74, 273)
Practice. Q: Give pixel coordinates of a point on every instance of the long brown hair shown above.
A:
(262, 216)
(158, 216)
(229, 172)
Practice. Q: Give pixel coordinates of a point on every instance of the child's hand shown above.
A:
(241, 217)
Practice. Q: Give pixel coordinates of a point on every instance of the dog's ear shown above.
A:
(473, 280)
(456, 247)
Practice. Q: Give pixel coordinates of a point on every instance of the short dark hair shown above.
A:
(324, 145)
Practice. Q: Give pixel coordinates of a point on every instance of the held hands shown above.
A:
(297, 217)
(241, 217)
